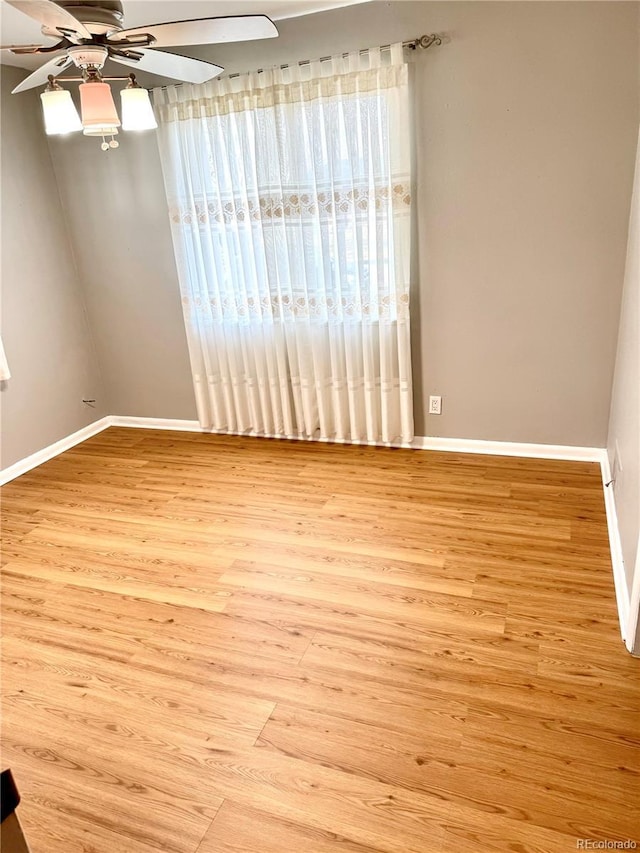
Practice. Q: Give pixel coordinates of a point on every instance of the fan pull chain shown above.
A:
(112, 144)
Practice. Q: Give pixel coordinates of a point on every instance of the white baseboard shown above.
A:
(40, 456)
(567, 453)
(156, 423)
(615, 545)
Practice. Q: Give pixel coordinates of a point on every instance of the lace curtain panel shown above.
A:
(289, 199)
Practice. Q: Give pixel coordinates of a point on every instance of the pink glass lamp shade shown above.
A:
(98, 108)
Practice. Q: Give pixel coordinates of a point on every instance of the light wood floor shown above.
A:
(221, 644)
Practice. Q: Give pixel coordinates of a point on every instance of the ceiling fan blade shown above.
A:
(39, 78)
(168, 64)
(52, 16)
(23, 48)
(202, 31)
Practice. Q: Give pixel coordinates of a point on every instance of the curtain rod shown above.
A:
(413, 44)
(423, 42)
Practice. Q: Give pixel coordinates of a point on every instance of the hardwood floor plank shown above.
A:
(52, 824)
(366, 811)
(137, 624)
(80, 682)
(398, 513)
(377, 599)
(437, 768)
(241, 829)
(113, 794)
(200, 594)
(353, 696)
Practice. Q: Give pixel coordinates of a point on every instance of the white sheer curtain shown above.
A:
(289, 198)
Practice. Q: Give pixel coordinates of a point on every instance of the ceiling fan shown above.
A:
(91, 31)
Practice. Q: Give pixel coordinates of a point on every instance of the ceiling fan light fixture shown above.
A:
(97, 105)
(137, 112)
(90, 32)
(60, 113)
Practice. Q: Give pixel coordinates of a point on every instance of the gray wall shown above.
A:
(125, 258)
(525, 140)
(624, 429)
(44, 323)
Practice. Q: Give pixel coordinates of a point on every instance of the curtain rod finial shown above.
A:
(426, 41)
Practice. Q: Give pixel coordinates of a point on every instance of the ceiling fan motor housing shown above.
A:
(102, 18)
(88, 56)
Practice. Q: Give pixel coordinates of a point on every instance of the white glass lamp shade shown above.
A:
(137, 112)
(98, 108)
(60, 114)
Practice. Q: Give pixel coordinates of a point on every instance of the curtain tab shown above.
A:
(375, 57)
(397, 53)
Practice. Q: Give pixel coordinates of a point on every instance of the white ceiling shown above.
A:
(16, 28)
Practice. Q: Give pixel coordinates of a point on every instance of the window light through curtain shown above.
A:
(289, 198)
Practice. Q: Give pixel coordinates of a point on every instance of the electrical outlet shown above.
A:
(435, 405)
